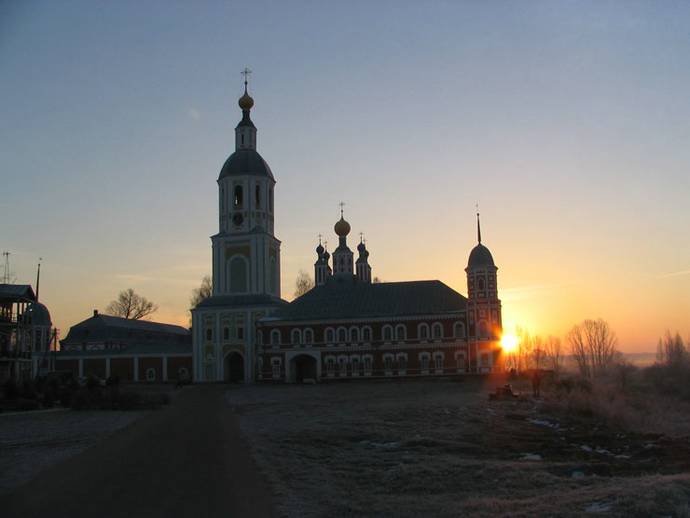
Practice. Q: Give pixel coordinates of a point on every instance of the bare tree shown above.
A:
(303, 283)
(553, 354)
(593, 345)
(671, 350)
(199, 294)
(538, 353)
(131, 305)
(523, 354)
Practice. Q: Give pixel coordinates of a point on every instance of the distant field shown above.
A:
(440, 448)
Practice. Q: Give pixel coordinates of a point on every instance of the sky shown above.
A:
(567, 121)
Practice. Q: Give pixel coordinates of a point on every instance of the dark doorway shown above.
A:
(304, 368)
(234, 368)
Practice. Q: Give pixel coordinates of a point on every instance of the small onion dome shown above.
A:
(366, 254)
(361, 247)
(326, 255)
(342, 227)
(246, 102)
(319, 249)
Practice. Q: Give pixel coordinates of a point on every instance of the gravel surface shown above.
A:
(32, 441)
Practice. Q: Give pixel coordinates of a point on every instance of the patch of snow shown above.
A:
(543, 422)
(531, 456)
(584, 447)
(598, 507)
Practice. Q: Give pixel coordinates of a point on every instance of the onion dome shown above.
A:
(319, 250)
(342, 227)
(326, 256)
(246, 102)
(361, 247)
(480, 257)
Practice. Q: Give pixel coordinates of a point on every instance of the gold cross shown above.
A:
(246, 73)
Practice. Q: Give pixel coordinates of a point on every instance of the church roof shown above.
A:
(351, 299)
(245, 162)
(107, 328)
(480, 256)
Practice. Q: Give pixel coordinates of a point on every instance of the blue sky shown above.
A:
(567, 121)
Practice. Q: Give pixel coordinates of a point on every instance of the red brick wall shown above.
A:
(123, 368)
(94, 367)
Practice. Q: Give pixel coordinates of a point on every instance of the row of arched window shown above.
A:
(389, 333)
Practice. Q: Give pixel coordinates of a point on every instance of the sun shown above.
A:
(509, 343)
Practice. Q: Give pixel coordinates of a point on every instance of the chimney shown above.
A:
(95, 312)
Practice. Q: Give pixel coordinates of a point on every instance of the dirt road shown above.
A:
(186, 460)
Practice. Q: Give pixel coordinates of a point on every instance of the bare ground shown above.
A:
(440, 448)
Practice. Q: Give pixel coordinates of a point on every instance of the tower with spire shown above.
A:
(322, 270)
(245, 259)
(483, 304)
(362, 263)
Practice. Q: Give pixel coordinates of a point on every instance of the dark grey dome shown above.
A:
(480, 256)
(245, 161)
(38, 315)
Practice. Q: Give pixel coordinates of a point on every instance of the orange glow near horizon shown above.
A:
(509, 342)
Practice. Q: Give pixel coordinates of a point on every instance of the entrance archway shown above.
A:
(234, 368)
(304, 368)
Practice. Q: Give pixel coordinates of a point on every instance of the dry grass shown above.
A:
(439, 448)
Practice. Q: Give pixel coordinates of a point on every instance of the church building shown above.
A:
(347, 326)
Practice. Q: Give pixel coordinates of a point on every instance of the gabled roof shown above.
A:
(348, 298)
(107, 328)
(17, 292)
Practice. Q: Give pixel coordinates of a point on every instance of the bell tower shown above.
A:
(246, 253)
(483, 305)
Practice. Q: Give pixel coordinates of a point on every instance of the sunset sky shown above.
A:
(569, 123)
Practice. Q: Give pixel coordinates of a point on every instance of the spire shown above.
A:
(38, 277)
(479, 229)
(245, 132)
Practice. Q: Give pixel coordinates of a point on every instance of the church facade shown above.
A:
(346, 327)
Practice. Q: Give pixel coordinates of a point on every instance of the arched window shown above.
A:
(388, 363)
(438, 361)
(275, 337)
(459, 330)
(238, 199)
(481, 284)
(182, 374)
(150, 374)
(400, 332)
(257, 196)
(437, 330)
(423, 331)
(424, 362)
(387, 333)
(354, 334)
(226, 333)
(483, 329)
(308, 336)
(295, 336)
(342, 335)
(402, 362)
(330, 335)
(238, 274)
(366, 334)
(209, 334)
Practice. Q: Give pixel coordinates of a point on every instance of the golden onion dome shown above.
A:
(246, 102)
(342, 227)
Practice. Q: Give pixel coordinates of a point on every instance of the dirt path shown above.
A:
(186, 460)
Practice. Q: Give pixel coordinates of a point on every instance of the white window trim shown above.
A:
(421, 326)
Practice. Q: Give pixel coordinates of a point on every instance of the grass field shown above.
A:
(440, 448)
